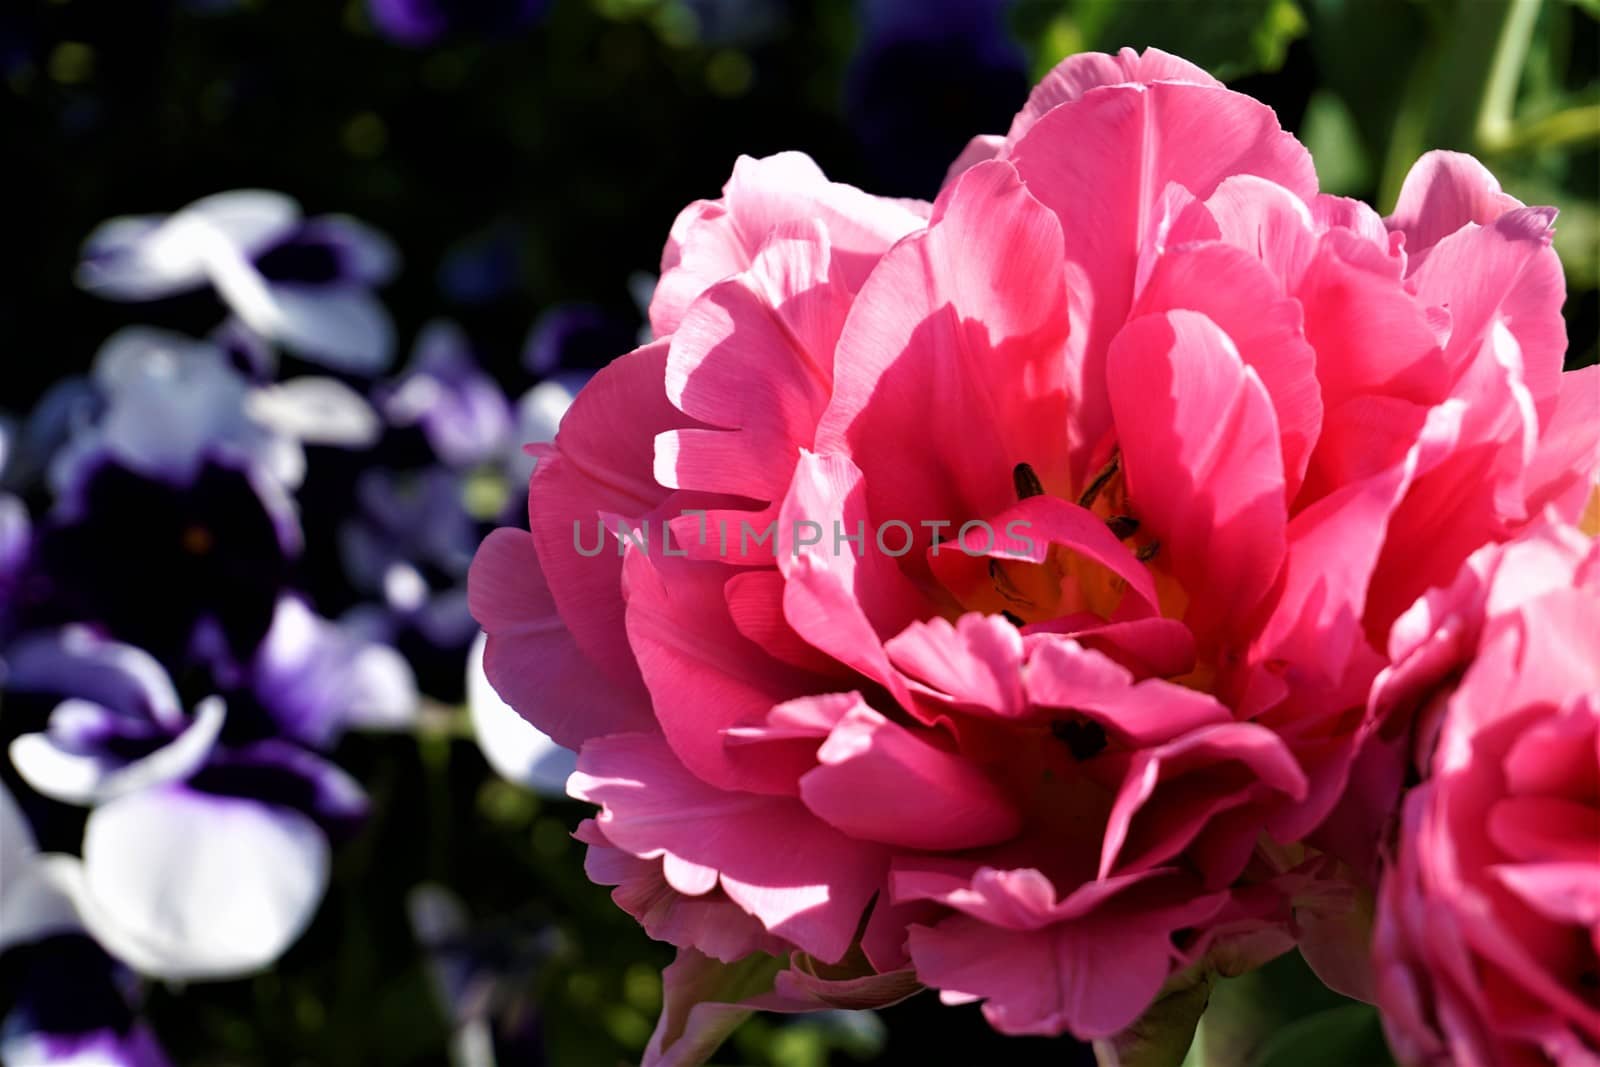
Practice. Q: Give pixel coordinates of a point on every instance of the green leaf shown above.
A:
(1329, 131)
(1229, 38)
(1348, 1036)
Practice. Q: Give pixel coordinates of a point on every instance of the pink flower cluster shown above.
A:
(1247, 426)
(1487, 948)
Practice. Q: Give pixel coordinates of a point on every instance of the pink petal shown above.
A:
(1063, 675)
(1173, 790)
(1151, 647)
(969, 316)
(703, 675)
(1443, 192)
(712, 240)
(1200, 449)
(981, 149)
(1078, 160)
(754, 356)
(1503, 274)
(1264, 326)
(1343, 213)
(785, 742)
(840, 595)
(881, 782)
(813, 891)
(1370, 334)
(532, 660)
(1566, 893)
(755, 604)
(1333, 546)
(711, 923)
(1268, 221)
(601, 463)
(1567, 463)
(1555, 757)
(976, 663)
(1545, 829)
(1026, 531)
(1073, 976)
(1077, 74)
(1089, 964)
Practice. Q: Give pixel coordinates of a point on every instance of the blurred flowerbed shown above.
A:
(294, 284)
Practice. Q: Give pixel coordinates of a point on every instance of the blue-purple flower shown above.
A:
(169, 430)
(460, 409)
(206, 848)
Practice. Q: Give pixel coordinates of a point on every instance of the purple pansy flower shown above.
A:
(173, 433)
(305, 284)
(460, 409)
(224, 803)
(410, 544)
(68, 1003)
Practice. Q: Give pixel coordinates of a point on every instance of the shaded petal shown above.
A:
(1172, 792)
(532, 660)
(976, 663)
(1199, 443)
(75, 660)
(317, 677)
(881, 782)
(1264, 326)
(1502, 276)
(1567, 463)
(705, 1000)
(602, 463)
(316, 410)
(709, 923)
(840, 596)
(1063, 675)
(968, 317)
(347, 330)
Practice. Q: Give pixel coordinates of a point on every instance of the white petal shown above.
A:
(539, 414)
(344, 329)
(41, 901)
(181, 884)
(89, 778)
(513, 746)
(147, 257)
(170, 401)
(250, 218)
(17, 847)
(320, 411)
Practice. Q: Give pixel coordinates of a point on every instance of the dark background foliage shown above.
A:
(518, 168)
